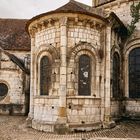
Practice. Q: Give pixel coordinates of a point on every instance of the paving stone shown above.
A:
(14, 128)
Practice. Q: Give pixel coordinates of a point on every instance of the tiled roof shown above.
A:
(13, 35)
(75, 7)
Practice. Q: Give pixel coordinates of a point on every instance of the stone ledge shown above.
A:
(46, 97)
(83, 97)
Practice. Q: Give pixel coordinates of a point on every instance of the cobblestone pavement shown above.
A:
(14, 128)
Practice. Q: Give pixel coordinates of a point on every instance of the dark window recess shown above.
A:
(84, 83)
(3, 89)
(116, 76)
(134, 73)
(45, 76)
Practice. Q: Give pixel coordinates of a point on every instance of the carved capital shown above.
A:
(63, 21)
(32, 31)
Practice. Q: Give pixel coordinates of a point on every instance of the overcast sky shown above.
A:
(29, 8)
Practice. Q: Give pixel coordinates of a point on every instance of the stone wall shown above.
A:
(122, 10)
(132, 108)
(11, 75)
(83, 110)
(63, 40)
(115, 109)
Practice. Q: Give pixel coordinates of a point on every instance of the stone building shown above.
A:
(84, 68)
(14, 67)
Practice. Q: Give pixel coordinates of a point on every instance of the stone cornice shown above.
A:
(63, 19)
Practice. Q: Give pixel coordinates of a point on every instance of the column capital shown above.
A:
(63, 21)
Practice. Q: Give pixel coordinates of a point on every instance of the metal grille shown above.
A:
(116, 76)
(134, 73)
(45, 75)
(3, 89)
(84, 75)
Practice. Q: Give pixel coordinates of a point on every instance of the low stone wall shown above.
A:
(132, 108)
(46, 109)
(12, 109)
(83, 110)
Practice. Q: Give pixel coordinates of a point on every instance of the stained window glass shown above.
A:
(116, 76)
(134, 73)
(84, 75)
(45, 76)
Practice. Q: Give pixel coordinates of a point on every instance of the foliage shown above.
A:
(135, 14)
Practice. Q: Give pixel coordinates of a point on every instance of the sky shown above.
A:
(26, 9)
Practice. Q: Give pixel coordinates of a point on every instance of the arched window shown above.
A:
(84, 77)
(45, 75)
(134, 73)
(116, 76)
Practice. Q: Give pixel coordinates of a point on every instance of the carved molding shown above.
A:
(84, 46)
(48, 48)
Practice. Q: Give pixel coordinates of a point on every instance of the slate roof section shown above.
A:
(13, 35)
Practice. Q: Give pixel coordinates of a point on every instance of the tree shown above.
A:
(135, 14)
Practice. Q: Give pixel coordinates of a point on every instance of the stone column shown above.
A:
(63, 69)
(102, 76)
(107, 96)
(31, 109)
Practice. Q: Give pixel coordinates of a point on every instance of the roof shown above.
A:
(73, 7)
(118, 24)
(16, 60)
(102, 2)
(13, 35)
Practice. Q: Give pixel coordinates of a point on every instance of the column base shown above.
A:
(110, 124)
(29, 122)
(61, 128)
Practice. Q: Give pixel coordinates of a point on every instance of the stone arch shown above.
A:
(38, 60)
(135, 43)
(48, 48)
(85, 46)
(115, 49)
(76, 52)
(116, 61)
(131, 45)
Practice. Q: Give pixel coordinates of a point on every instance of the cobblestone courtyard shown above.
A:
(14, 128)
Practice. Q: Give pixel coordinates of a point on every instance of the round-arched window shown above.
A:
(134, 73)
(3, 89)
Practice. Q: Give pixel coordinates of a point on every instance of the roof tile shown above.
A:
(13, 35)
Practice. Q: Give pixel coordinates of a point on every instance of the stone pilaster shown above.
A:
(107, 113)
(102, 76)
(63, 69)
(31, 111)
